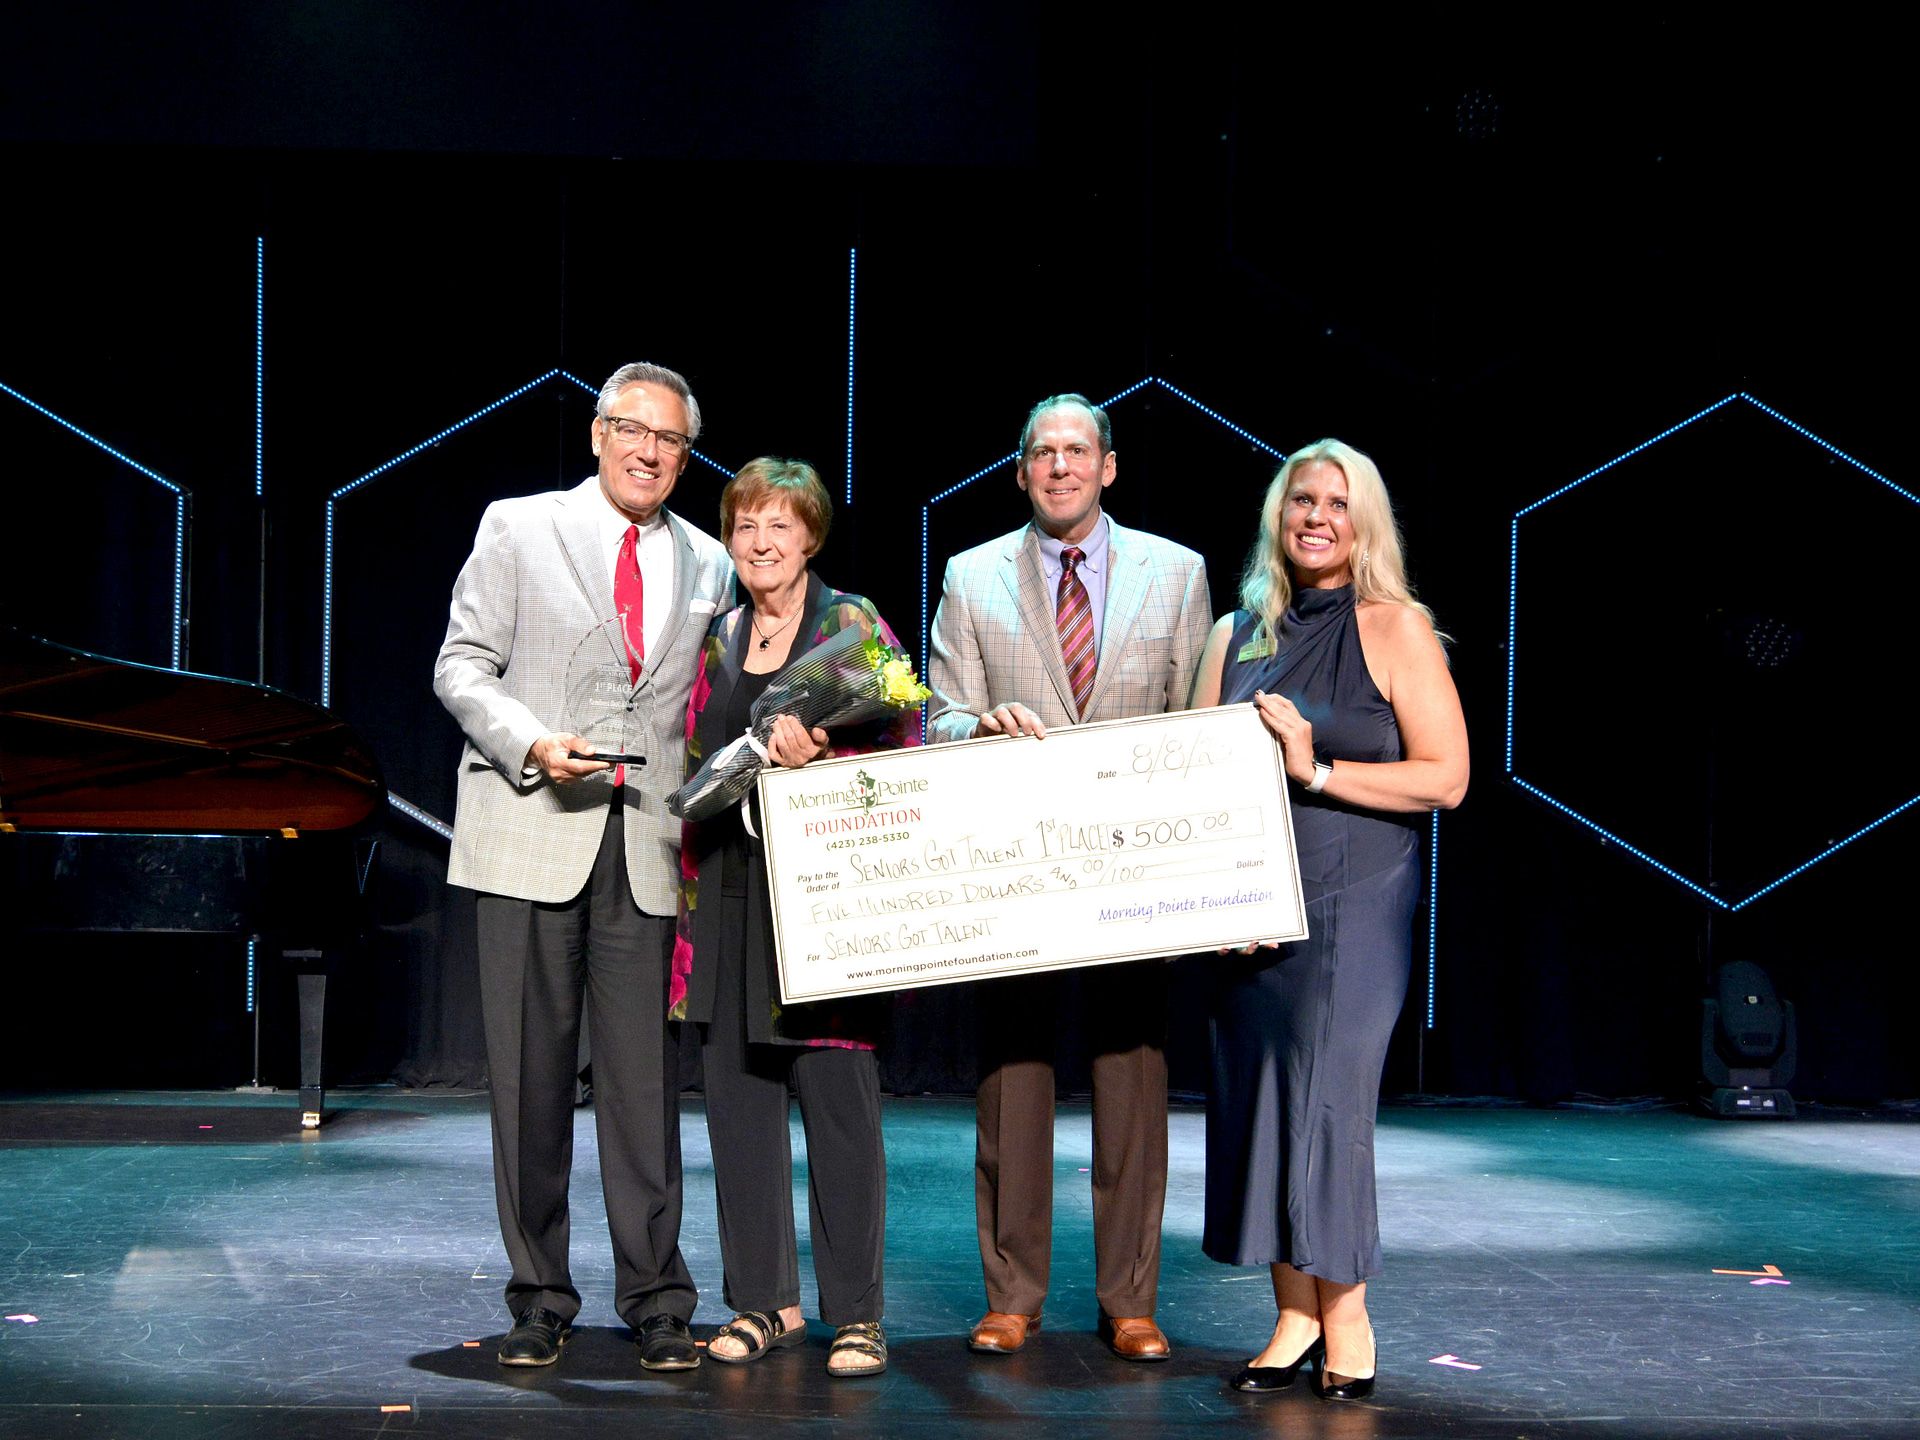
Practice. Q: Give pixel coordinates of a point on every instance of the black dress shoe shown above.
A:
(1331, 1385)
(666, 1344)
(1260, 1379)
(535, 1339)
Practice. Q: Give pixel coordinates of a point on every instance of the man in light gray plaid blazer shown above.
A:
(576, 862)
(997, 666)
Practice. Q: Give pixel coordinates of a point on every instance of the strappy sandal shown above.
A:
(863, 1338)
(759, 1332)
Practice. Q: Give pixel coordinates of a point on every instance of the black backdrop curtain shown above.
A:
(1492, 274)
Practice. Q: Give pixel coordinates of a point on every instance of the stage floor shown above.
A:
(240, 1280)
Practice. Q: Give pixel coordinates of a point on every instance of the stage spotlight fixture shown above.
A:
(1749, 1046)
(1763, 641)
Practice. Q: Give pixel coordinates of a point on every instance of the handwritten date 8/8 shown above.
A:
(1176, 755)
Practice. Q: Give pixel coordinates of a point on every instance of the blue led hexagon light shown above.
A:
(1688, 626)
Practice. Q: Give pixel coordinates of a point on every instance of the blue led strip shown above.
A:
(433, 440)
(1513, 620)
(252, 945)
(1115, 399)
(418, 816)
(1830, 449)
(179, 505)
(1644, 444)
(853, 275)
(93, 440)
(259, 362)
(179, 572)
(1608, 835)
(1839, 845)
(981, 473)
(926, 584)
(1212, 414)
(1433, 911)
(326, 615)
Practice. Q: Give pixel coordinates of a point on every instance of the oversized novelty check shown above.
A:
(1122, 840)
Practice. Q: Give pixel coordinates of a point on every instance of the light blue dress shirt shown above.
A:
(1092, 572)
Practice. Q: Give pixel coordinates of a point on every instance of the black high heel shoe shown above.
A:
(1262, 1379)
(1331, 1385)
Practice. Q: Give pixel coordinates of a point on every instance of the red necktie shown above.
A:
(1073, 613)
(629, 598)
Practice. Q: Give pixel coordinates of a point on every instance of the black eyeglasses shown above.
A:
(669, 442)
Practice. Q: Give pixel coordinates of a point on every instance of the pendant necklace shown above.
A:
(766, 637)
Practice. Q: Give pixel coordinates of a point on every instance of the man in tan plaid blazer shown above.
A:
(998, 666)
(576, 865)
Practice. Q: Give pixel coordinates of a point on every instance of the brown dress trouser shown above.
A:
(1125, 1023)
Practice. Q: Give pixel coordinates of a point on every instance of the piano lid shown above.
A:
(88, 743)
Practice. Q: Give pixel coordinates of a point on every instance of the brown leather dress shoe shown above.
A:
(1136, 1339)
(1001, 1334)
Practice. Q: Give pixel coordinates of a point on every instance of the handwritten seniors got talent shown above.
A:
(1071, 618)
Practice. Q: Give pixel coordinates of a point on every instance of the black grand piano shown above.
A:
(139, 799)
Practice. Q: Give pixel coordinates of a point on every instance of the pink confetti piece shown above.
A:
(206, 1127)
(1453, 1360)
(1085, 1171)
(25, 1319)
(1770, 1282)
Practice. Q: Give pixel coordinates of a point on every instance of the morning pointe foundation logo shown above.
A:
(863, 794)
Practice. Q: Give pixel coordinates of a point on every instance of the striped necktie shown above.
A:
(1073, 613)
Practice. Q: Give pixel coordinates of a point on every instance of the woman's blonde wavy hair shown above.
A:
(1379, 569)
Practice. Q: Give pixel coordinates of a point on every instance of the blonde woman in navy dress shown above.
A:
(1348, 673)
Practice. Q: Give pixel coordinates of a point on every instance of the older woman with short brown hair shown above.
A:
(773, 518)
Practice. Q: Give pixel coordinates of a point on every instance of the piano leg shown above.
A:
(313, 1010)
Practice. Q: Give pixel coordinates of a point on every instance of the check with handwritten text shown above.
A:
(1123, 840)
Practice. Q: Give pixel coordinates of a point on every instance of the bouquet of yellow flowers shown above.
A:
(850, 679)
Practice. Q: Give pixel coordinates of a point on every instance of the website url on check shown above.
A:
(921, 966)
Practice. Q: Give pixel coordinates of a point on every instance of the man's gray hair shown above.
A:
(1054, 402)
(641, 373)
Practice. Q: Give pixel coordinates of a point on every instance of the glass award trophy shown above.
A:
(603, 706)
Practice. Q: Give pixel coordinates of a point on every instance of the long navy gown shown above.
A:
(1300, 1034)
